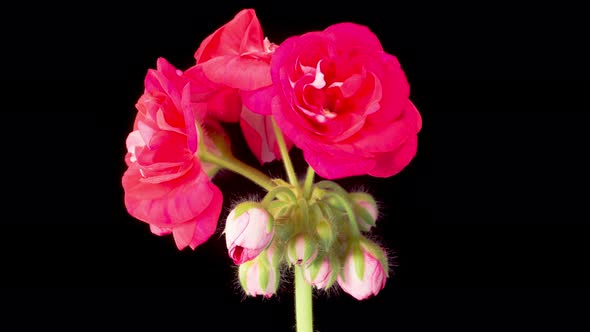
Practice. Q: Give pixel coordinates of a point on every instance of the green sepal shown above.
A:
(282, 193)
(334, 203)
(219, 139)
(275, 260)
(323, 225)
(315, 212)
(361, 212)
(304, 212)
(365, 216)
(243, 274)
(335, 263)
(277, 279)
(327, 211)
(216, 136)
(271, 223)
(311, 248)
(325, 232)
(283, 216)
(359, 260)
(201, 148)
(291, 249)
(263, 270)
(245, 207)
(285, 211)
(377, 252)
(314, 268)
(276, 205)
(331, 186)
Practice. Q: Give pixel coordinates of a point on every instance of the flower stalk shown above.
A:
(285, 155)
(229, 162)
(307, 185)
(303, 302)
(303, 295)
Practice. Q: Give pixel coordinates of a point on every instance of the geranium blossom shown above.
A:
(165, 184)
(344, 102)
(335, 94)
(235, 60)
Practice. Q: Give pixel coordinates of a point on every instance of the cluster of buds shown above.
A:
(320, 231)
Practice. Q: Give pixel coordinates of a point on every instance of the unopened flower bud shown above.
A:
(248, 231)
(321, 273)
(365, 209)
(325, 232)
(365, 270)
(260, 276)
(302, 249)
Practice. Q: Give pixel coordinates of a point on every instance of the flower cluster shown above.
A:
(321, 232)
(335, 94)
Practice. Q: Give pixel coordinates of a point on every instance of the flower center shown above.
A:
(316, 102)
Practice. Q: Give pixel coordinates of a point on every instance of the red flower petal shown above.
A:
(391, 163)
(168, 203)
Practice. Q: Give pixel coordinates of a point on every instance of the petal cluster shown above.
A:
(345, 102)
(165, 184)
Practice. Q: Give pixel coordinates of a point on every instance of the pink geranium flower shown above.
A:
(165, 184)
(235, 62)
(344, 102)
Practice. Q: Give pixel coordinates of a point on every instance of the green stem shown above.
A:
(308, 182)
(237, 166)
(304, 210)
(332, 186)
(272, 194)
(354, 228)
(285, 155)
(303, 303)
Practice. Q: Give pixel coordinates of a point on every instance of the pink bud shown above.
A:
(370, 208)
(367, 210)
(319, 274)
(257, 277)
(248, 234)
(370, 281)
(302, 250)
(260, 276)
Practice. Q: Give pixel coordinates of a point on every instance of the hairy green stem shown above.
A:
(307, 185)
(331, 186)
(354, 228)
(237, 166)
(228, 161)
(285, 155)
(272, 194)
(303, 302)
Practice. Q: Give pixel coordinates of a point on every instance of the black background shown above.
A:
(488, 223)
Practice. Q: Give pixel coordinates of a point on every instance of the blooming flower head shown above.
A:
(248, 231)
(235, 62)
(165, 184)
(344, 102)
